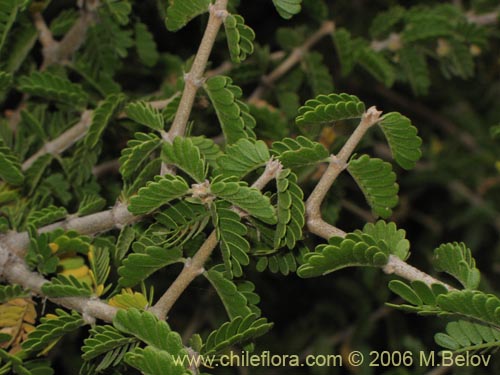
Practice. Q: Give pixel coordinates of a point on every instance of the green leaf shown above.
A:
(287, 8)
(62, 286)
(46, 216)
(248, 199)
(239, 37)
(180, 222)
(384, 22)
(471, 305)
(137, 153)
(10, 168)
(119, 9)
(185, 155)
(422, 296)
(51, 329)
(5, 81)
(23, 41)
(285, 261)
(233, 114)
(299, 152)
(125, 239)
(151, 361)
(99, 256)
(109, 341)
(145, 114)
(35, 172)
(348, 49)
(208, 148)
(9, 292)
(456, 259)
(8, 14)
(405, 291)
(463, 335)
(234, 247)
(377, 65)
(377, 182)
(325, 109)
(235, 303)
(91, 203)
(101, 117)
(239, 330)
(149, 329)
(145, 45)
(242, 157)
(52, 87)
(318, 75)
(157, 193)
(180, 12)
(356, 249)
(402, 138)
(426, 25)
(290, 210)
(139, 266)
(391, 235)
(415, 68)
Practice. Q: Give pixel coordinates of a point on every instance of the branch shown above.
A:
(15, 271)
(194, 267)
(57, 52)
(394, 42)
(294, 58)
(64, 141)
(193, 79)
(117, 217)
(338, 163)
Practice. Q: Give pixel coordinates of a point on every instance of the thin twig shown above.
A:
(15, 271)
(394, 41)
(294, 58)
(99, 222)
(338, 163)
(194, 78)
(64, 141)
(195, 266)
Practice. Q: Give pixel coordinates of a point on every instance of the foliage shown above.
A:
(180, 161)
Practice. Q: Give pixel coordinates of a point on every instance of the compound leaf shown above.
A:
(157, 193)
(326, 109)
(402, 138)
(377, 182)
(180, 12)
(456, 259)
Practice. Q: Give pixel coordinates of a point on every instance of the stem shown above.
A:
(14, 270)
(103, 221)
(194, 78)
(399, 267)
(295, 57)
(64, 141)
(194, 267)
(337, 164)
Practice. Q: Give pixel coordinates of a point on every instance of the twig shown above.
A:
(64, 141)
(107, 167)
(338, 163)
(194, 267)
(15, 271)
(59, 51)
(295, 57)
(394, 42)
(194, 78)
(103, 221)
